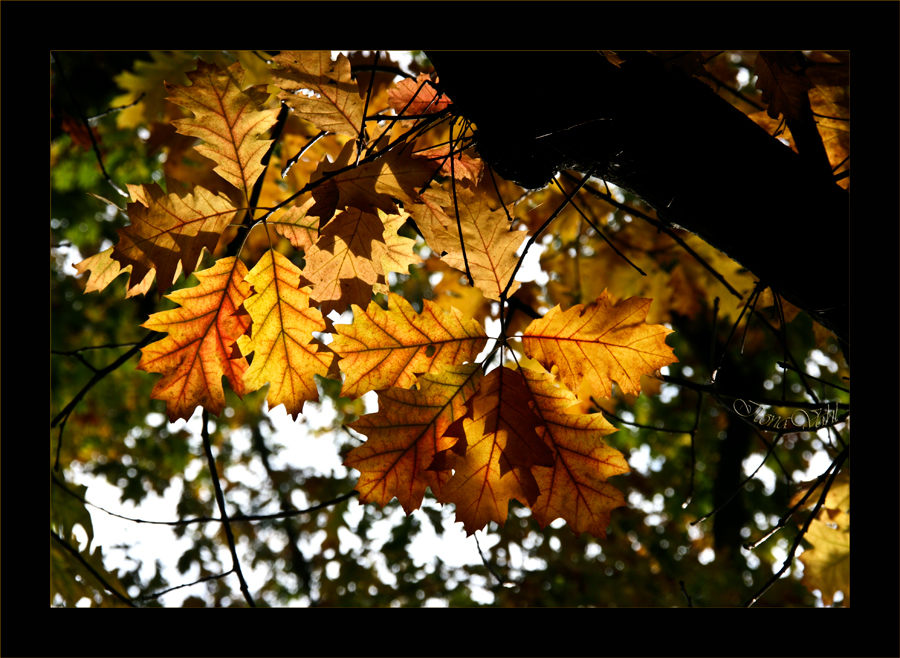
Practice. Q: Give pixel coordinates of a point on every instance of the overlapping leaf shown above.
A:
(490, 245)
(354, 252)
(370, 185)
(407, 432)
(501, 446)
(281, 343)
(226, 118)
(575, 487)
(104, 270)
(418, 97)
(170, 229)
(390, 348)
(201, 335)
(600, 343)
(334, 103)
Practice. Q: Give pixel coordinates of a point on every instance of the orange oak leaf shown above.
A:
(406, 433)
(501, 447)
(490, 245)
(575, 487)
(463, 166)
(423, 102)
(334, 103)
(201, 335)
(390, 348)
(226, 118)
(168, 230)
(281, 341)
(600, 343)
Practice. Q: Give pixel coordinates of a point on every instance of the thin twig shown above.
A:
(534, 237)
(78, 556)
(661, 227)
(63, 415)
(205, 519)
(834, 468)
(462, 242)
(220, 501)
(62, 76)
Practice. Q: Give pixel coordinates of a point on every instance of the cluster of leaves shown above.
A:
(477, 441)
(382, 192)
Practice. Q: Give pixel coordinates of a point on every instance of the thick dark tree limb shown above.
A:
(669, 139)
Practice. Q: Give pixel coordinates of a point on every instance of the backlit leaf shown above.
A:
(104, 269)
(423, 102)
(390, 348)
(170, 229)
(501, 447)
(333, 102)
(406, 433)
(202, 332)
(226, 118)
(490, 245)
(827, 563)
(600, 342)
(575, 487)
(281, 343)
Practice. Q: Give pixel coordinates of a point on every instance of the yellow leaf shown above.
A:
(490, 244)
(284, 354)
(389, 348)
(575, 488)
(334, 103)
(345, 262)
(601, 342)
(827, 564)
(226, 118)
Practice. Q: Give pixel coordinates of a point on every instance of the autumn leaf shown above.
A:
(501, 447)
(575, 488)
(226, 118)
(463, 165)
(827, 563)
(422, 102)
(600, 343)
(371, 185)
(406, 433)
(170, 229)
(782, 83)
(298, 226)
(281, 341)
(104, 269)
(390, 348)
(490, 244)
(201, 335)
(333, 103)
